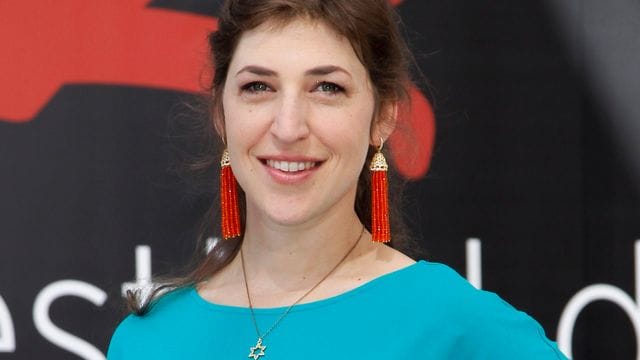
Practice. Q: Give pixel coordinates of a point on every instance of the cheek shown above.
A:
(357, 121)
(346, 130)
(245, 127)
(233, 118)
(237, 116)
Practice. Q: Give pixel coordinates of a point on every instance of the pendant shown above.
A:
(258, 350)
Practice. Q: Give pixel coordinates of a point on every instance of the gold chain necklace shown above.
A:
(257, 351)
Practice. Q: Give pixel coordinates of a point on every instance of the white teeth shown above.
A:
(290, 166)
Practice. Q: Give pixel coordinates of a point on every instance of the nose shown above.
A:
(290, 122)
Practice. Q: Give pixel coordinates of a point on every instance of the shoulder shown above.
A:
(438, 281)
(168, 311)
(438, 286)
(479, 321)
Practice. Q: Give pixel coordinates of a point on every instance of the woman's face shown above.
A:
(298, 106)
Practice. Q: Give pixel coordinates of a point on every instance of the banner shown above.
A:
(524, 177)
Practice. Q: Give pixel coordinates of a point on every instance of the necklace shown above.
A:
(257, 351)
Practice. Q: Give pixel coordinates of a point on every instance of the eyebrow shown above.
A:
(258, 70)
(325, 70)
(316, 71)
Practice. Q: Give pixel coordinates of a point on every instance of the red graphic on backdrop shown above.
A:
(412, 142)
(48, 43)
(51, 43)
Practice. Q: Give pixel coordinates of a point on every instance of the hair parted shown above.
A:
(372, 28)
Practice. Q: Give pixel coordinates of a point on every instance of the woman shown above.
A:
(305, 92)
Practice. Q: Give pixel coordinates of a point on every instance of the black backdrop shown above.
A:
(534, 156)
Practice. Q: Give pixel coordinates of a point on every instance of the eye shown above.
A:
(330, 88)
(256, 87)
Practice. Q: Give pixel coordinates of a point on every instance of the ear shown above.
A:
(384, 123)
(218, 125)
(217, 116)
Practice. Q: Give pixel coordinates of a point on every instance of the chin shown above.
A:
(289, 219)
(283, 214)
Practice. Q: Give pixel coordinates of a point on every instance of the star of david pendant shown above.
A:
(258, 350)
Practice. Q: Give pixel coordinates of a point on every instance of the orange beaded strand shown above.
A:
(380, 229)
(230, 221)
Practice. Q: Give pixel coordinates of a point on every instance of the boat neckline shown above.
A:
(193, 292)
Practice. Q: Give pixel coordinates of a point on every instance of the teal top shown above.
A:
(423, 311)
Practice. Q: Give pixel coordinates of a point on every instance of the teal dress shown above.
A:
(423, 311)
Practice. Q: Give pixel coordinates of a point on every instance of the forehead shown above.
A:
(296, 46)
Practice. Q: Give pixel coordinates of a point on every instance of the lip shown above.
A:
(290, 178)
(290, 158)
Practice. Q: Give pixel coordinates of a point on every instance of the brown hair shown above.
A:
(371, 26)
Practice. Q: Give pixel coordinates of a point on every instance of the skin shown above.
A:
(299, 93)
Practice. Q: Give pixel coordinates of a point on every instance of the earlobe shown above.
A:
(385, 123)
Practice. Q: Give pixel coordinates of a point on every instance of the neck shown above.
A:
(290, 258)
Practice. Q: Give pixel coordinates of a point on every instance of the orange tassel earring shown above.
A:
(228, 199)
(380, 231)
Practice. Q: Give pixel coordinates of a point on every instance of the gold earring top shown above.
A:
(226, 160)
(378, 162)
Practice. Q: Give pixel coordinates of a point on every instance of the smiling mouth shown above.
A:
(290, 166)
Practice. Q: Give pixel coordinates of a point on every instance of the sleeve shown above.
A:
(488, 327)
(119, 340)
(498, 331)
